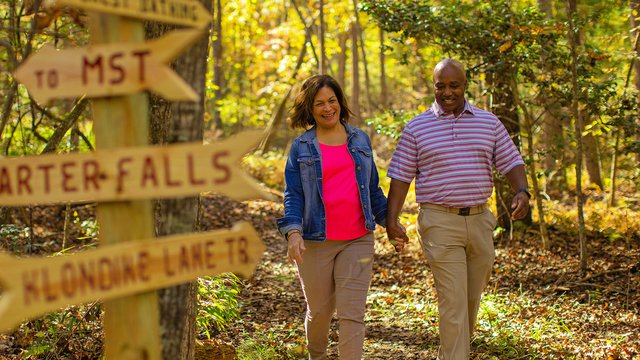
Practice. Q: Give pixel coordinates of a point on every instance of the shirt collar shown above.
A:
(437, 110)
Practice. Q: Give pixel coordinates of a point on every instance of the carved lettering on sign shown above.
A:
(166, 171)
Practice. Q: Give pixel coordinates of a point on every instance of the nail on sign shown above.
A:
(131, 173)
(109, 70)
(32, 287)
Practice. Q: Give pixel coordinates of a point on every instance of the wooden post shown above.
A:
(131, 324)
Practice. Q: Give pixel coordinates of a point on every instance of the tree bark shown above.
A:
(571, 7)
(178, 123)
(531, 169)
(343, 37)
(505, 109)
(218, 73)
(635, 23)
(279, 114)
(592, 156)
(322, 66)
(552, 129)
(360, 33)
(355, 75)
(546, 6)
(384, 96)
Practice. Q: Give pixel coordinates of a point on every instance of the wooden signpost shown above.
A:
(108, 70)
(34, 287)
(129, 264)
(132, 173)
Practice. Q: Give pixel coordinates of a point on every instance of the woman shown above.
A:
(332, 203)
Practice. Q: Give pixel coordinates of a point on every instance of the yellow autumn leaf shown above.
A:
(506, 46)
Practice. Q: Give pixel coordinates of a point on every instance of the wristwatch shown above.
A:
(524, 190)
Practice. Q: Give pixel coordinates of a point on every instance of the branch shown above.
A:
(603, 273)
(84, 138)
(71, 119)
(307, 29)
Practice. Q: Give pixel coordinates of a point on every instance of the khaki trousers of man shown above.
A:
(335, 275)
(460, 252)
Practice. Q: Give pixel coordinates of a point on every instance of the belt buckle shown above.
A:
(464, 211)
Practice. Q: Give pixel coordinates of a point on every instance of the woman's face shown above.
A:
(326, 108)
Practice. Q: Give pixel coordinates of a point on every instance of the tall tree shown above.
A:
(177, 123)
(322, 65)
(552, 126)
(355, 74)
(360, 34)
(635, 28)
(571, 8)
(384, 96)
(218, 72)
(343, 39)
(457, 28)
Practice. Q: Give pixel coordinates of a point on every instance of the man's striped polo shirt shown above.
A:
(452, 158)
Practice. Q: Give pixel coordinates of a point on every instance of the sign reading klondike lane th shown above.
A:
(131, 173)
(109, 70)
(32, 287)
(180, 12)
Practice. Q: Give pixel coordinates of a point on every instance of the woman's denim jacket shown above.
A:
(303, 205)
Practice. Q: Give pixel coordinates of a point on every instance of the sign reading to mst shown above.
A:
(109, 70)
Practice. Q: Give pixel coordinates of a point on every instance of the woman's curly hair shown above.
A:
(301, 112)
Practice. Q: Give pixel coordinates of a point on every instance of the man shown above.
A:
(450, 150)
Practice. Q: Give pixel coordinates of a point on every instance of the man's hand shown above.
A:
(397, 235)
(295, 248)
(520, 206)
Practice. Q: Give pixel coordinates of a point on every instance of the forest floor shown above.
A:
(538, 304)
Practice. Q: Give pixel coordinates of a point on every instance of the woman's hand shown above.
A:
(397, 235)
(296, 248)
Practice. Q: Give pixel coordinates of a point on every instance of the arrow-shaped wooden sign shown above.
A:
(32, 287)
(131, 173)
(180, 12)
(109, 70)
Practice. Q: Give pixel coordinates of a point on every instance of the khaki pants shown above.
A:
(335, 275)
(460, 252)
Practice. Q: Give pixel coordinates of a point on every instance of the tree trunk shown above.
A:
(552, 129)
(384, 96)
(635, 22)
(634, 67)
(355, 75)
(504, 108)
(571, 7)
(322, 66)
(342, 58)
(280, 112)
(360, 33)
(592, 156)
(178, 123)
(218, 73)
(531, 169)
(546, 6)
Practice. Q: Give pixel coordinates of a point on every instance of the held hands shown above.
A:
(295, 248)
(520, 206)
(397, 235)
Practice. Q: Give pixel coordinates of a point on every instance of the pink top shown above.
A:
(345, 218)
(452, 158)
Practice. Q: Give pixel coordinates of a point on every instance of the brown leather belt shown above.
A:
(465, 211)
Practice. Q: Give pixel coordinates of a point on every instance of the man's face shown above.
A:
(450, 84)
